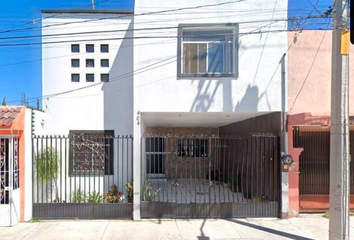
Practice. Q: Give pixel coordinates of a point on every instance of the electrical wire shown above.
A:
(135, 15)
(41, 19)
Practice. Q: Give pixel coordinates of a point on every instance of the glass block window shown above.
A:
(104, 77)
(90, 48)
(90, 77)
(75, 77)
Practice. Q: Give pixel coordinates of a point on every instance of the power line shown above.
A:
(140, 29)
(138, 71)
(41, 19)
(130, 15)
(112, 39)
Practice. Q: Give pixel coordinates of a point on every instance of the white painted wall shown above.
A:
(28, 165)
(10, 217)
(255, 90)
(105, 106)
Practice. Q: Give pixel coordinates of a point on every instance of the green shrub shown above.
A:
(78, 196)
(95, 197)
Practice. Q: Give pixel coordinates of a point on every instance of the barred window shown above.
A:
(91, 152)
(207, 50)
(193, 147)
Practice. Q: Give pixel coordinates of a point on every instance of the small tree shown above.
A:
(47, 162)
(3, 102)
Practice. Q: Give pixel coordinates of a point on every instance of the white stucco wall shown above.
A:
(105, 106)
(28, 166)
(255, 89)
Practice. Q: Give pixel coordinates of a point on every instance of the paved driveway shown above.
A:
(304, 228)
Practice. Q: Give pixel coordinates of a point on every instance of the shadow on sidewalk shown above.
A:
(269, 230)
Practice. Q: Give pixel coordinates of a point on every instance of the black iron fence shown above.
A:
(203, 176)
(315, 161)
(83, 175)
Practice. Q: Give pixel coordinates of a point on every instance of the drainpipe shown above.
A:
(285, 152)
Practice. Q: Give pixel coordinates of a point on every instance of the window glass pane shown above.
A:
(75, 62)
(190, 58)
(75, 77)
(75, 48)
(202, 57)
(104, 63)
(104, 48)
(90, 63)
(90, 77)
(90, 48)
(104, 77)
(216, 58)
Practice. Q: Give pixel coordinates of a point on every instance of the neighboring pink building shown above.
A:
(309, 103)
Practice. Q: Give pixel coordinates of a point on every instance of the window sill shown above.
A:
(209, 76)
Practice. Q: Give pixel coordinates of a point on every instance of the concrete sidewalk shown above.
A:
(304, 228)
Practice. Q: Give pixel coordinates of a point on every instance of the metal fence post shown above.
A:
(11, 183)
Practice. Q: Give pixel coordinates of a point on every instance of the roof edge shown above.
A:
(91, 11)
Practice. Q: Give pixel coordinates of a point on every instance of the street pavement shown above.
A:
(306, 227)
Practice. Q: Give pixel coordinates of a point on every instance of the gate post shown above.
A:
(11, 167)
(137, 167)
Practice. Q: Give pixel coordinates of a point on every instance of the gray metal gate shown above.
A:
(203, 176)
(84, 175)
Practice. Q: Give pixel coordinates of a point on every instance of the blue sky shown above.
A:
(20, 67)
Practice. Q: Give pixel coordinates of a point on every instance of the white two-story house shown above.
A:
(180, 77)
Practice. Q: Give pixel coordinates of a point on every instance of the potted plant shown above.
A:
(47, 162)
(95, 197)
(130, 189)
(148, 194)
(78, 196)
(113, 196)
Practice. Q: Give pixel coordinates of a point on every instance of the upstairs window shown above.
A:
(75, 48)
(207, 50)
(90, 48)
(104, 48)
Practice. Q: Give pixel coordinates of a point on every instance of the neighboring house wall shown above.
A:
(255, 89)
(304, 66)
(309, 95)
(103, 106)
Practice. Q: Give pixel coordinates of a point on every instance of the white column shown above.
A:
(137, 166)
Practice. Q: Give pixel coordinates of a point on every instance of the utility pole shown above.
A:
(93, 4)
(339, 158)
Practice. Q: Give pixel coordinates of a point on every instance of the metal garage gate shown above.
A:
(216, 177)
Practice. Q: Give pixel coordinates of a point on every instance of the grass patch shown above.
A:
(326, 215)
(35, 220)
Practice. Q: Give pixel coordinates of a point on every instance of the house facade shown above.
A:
(309, 106)
(15, 165)
(178, 107)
